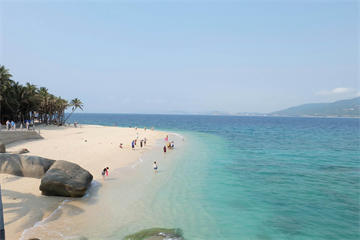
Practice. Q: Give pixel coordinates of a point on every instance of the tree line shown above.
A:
(27, 102)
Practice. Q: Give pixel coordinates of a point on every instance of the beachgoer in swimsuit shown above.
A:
(155, 166)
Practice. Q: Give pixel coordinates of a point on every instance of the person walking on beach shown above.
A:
(164, 148)
(141, 143)
(105, 172)
(155, 167)
(133, 145)
(13, 125)
(7, 125)
(27, 122)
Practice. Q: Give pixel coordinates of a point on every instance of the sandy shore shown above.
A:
(92, 147)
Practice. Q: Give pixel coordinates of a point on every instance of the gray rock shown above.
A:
(65, 179)
(157, 234)
(24, 166)
(2, 148)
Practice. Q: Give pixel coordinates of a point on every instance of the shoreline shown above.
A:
(91, 146)
(121, 199)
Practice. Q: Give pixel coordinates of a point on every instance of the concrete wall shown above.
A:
(7, 137)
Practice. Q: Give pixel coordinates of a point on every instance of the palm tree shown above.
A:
(33, 101)
(22, 102)
(5, 82)
(60, 106)
(75, 104)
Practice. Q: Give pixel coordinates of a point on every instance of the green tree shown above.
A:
(74, 104)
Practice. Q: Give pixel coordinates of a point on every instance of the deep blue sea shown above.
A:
(257, 177)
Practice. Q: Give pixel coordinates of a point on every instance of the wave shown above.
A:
(44, 221)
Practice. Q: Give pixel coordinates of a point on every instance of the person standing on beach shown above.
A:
(133, 145)
(7, 125)
(141, 143)
(27, 122)
(164, 148)
(155, 167)
(105, 172)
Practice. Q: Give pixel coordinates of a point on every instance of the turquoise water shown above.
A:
(254, 177)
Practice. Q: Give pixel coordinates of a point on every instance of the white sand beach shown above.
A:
(92, 147)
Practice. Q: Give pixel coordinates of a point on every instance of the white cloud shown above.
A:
(336, 91)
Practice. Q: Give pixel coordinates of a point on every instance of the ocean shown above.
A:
(239, 178)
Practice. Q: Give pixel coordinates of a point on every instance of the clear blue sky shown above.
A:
(192, 56)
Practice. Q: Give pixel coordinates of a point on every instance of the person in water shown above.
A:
(155, 167)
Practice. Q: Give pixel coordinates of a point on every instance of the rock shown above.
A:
(65, 179)
(2, 148)
(24, 166)
(157, 234)
(21, 151)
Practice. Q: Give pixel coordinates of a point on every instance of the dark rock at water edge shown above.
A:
(24, 166)
(65, 179)
(157, 234)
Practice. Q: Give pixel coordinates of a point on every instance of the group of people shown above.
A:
(168, 145)
(11, 125)
(142, 142)
(134, 142)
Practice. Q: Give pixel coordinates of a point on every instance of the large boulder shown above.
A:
(2, 148)
(65, 179)
(24, 166)
(157, 234)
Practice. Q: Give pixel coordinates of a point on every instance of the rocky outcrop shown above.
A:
(24, 166)
(65, 179)
(157, 234)
(58, 178)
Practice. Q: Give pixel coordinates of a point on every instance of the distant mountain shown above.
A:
(342, 108)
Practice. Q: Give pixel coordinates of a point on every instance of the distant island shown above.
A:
(342, 108)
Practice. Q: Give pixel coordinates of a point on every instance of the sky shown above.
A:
(184, 56)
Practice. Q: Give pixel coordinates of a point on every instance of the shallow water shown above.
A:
(235, 178)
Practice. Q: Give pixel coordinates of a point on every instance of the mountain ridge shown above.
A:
(341, 108)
